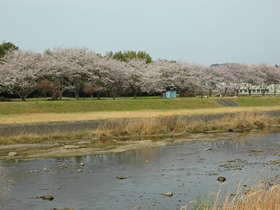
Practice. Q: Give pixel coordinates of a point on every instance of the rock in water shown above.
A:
(46, 197)
(256, 150)
(122, 177)
(168, 194)
(221, 179)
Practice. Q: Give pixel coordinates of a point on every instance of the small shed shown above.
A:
(170, 92)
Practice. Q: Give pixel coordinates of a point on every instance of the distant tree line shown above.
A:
(77, 70)
(6, 46)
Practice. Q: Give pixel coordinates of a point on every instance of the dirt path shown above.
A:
(87, 116)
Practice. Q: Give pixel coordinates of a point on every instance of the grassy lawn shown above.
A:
(39, 110)
(93, 105)
(257, 101)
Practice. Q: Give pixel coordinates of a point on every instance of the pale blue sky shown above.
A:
(195, 31)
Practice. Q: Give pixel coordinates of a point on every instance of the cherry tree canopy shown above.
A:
(72, 69)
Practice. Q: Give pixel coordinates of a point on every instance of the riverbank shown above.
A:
(157, 124)
(118, 135)
(32, 123)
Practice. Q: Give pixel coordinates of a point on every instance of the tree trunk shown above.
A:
(236, 92)
(250, 92)
(225, 92)
(210, 92)
(263, 92)
(98, 95)
(60, 94)
(77, 91)
(22, 97)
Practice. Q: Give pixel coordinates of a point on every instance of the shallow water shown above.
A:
(185, 169)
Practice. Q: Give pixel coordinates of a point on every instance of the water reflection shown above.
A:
(185, 169)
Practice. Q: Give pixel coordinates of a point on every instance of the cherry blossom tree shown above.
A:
(190, 78)
(254, 76)
(54, 68)
(209, 80)
(271, 77)
(98, 75)
(135, 70)
(116, 77)
(76, 69)
(20, 72)
(69, 68)
(159, 75)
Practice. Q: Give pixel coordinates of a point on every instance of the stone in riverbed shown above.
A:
(169, 194)
(46, 197)
(256, 150)
(12, 154)
(221, 179)
(122, 177)
(214, 173)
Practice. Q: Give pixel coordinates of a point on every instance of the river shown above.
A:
(187, 170)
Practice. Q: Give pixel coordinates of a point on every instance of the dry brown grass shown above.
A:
(171, 124)
(259, 197)
(124, 127)
(47, 138)
(242, 121)
(163, 125)
(70, 117)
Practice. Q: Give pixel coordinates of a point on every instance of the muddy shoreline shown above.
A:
(88, 147)
(68, 148)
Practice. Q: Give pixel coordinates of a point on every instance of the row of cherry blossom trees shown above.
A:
(79, 69)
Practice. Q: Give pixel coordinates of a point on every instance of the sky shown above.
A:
(195, 31)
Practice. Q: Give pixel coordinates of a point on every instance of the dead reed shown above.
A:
(46, 138)
(259, 197)
(165, 125)
(171, 124)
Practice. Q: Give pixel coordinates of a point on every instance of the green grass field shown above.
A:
(32, 106)
(258, 101)
(93, 105)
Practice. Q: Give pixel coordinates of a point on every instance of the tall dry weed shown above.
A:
(151, 126)
(259, 197)
(139, 126)
(240, 121)
(194, 126)
(171, 124)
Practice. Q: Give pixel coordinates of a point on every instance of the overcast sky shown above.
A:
(195, 31)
